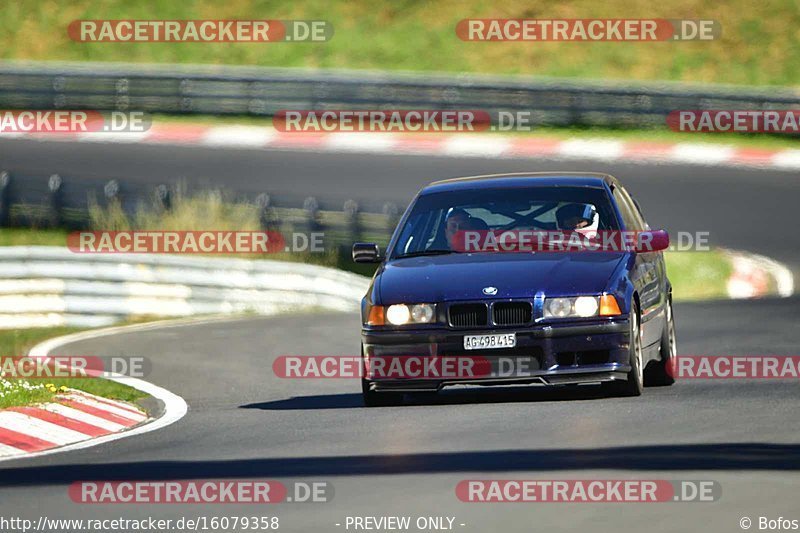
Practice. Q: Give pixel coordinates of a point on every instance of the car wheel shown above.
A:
(635, 383)
(658, 372)
(379, 399)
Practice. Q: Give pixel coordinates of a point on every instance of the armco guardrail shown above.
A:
(263, 91)
(50, 286)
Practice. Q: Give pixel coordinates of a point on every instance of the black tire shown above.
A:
(658, 372)
(379, 399)
(634, 385)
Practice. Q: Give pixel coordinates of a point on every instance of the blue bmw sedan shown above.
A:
(481, 284)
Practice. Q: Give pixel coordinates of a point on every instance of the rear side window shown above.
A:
(637, 212)
(630, 215)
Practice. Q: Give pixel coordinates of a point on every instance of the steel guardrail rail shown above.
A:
(260, 91)
(50, 285)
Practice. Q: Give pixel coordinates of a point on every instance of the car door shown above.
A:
(648, 272)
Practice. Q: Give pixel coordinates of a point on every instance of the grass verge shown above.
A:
(15, 392)
(32, 237)
(698, 275)
(757, 46)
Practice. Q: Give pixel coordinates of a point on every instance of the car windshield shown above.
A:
(434, 217)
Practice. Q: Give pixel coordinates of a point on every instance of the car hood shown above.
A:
(515, 275)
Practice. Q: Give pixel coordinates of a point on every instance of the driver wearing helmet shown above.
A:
(573, 217)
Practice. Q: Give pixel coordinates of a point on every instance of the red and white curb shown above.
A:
(756, 276)
(116, 414)
(447, 145)
(70, 418)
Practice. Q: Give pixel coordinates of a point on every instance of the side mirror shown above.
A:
(652, 241)
(366, 252)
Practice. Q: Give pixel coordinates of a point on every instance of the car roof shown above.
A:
(522, 180)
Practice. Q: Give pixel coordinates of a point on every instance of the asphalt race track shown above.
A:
(246, 423)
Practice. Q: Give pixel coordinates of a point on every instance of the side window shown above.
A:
(630, 215)
(637, 213)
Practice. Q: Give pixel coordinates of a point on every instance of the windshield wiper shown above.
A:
(425, 252)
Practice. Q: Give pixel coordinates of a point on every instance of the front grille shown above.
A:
(511, 313)
(468, 315)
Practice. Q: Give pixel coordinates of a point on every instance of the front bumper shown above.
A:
(553, 354)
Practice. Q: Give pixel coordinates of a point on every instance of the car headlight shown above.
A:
(401, 314)
(558, 307)
(422, 313)
(581, 307)
(586, 306)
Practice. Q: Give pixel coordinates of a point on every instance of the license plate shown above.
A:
(488, 342)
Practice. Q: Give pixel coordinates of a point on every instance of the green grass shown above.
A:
(15, 393)
(15, 343)
(32, 237)
(758, 45)
(698, 275)
(18, 341)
